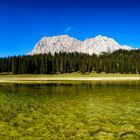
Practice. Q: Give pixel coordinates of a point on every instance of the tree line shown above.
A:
(120, 61)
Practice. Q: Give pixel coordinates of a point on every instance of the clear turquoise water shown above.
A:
(80, 110)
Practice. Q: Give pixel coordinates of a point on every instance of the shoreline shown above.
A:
(57, 79)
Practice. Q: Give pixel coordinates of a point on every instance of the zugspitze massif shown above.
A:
(65, 43)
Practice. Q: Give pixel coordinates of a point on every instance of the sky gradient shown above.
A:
(24, 22)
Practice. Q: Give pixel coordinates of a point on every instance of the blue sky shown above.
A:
(24, 22)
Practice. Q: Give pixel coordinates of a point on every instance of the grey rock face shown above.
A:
(65, 43)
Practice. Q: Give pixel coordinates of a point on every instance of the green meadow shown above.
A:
(70, 111)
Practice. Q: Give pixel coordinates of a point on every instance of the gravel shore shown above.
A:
(13, 79)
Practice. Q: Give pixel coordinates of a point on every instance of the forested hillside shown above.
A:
(120, 61)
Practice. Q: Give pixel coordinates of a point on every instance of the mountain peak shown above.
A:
(65, 43)
(65, 35)
(100, 36)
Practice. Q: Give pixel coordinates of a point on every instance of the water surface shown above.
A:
(81, 110)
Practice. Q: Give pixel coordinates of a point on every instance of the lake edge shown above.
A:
(42, 80)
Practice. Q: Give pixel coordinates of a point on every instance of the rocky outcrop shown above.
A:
(65, 43)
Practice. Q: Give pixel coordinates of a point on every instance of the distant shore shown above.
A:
(45, 79)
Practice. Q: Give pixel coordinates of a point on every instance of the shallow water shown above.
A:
(80, 110)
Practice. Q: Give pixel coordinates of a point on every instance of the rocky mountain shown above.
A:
(65, 43)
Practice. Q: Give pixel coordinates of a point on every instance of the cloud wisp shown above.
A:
(68, 29)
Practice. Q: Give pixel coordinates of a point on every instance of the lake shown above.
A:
(70, 110)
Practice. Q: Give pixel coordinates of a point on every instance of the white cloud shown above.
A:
(68, 29)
